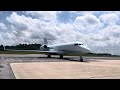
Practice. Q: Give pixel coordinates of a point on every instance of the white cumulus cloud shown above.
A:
(2, 26)
(111, 18)
(87, 23)
(44, 15)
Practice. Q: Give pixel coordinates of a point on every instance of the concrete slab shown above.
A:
(103, 69)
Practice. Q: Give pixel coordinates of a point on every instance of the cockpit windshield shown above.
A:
(77, 44)
(80, 44)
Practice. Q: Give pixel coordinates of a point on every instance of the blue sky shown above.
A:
(99, 30)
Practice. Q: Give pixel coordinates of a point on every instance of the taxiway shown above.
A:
(37, 66)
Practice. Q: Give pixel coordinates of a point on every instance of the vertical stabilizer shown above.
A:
(45, 41)
(44, 47)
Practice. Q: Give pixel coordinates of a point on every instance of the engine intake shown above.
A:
(44, 47)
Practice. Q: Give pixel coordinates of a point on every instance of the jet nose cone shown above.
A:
(87, 49)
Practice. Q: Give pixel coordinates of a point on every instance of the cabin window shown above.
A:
(77, 44)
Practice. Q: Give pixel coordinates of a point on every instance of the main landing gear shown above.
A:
(81, 59)
(49, 56)
(61, 56)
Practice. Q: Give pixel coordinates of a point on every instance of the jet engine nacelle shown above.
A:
(44, 47)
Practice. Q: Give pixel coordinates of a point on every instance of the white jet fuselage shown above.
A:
(70, 48)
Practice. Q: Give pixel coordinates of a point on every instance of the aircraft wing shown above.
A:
(44, 52)
(22, 50)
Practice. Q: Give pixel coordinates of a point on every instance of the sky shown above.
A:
(99, 30)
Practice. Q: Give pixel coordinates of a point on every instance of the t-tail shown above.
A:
(45, 41)
(44, 47)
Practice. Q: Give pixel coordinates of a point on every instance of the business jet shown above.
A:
(73, 48)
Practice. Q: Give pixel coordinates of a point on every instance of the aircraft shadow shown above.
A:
(65, 59)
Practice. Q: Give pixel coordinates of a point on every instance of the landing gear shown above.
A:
(61, 56)
(81, 59)
(49, 56)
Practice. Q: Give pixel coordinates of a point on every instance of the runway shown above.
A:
(37, 66)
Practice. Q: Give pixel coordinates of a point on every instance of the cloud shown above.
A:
(87, 23)
(2, 27)
(111, 18)
(82, 12)
(19, 22)
(25, 28)
(43, 15)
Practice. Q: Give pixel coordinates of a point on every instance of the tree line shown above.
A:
(37, 47)
(22, 47)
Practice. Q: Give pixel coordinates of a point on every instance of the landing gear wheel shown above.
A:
(49, 56)
(81, 59)
(61, 56)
